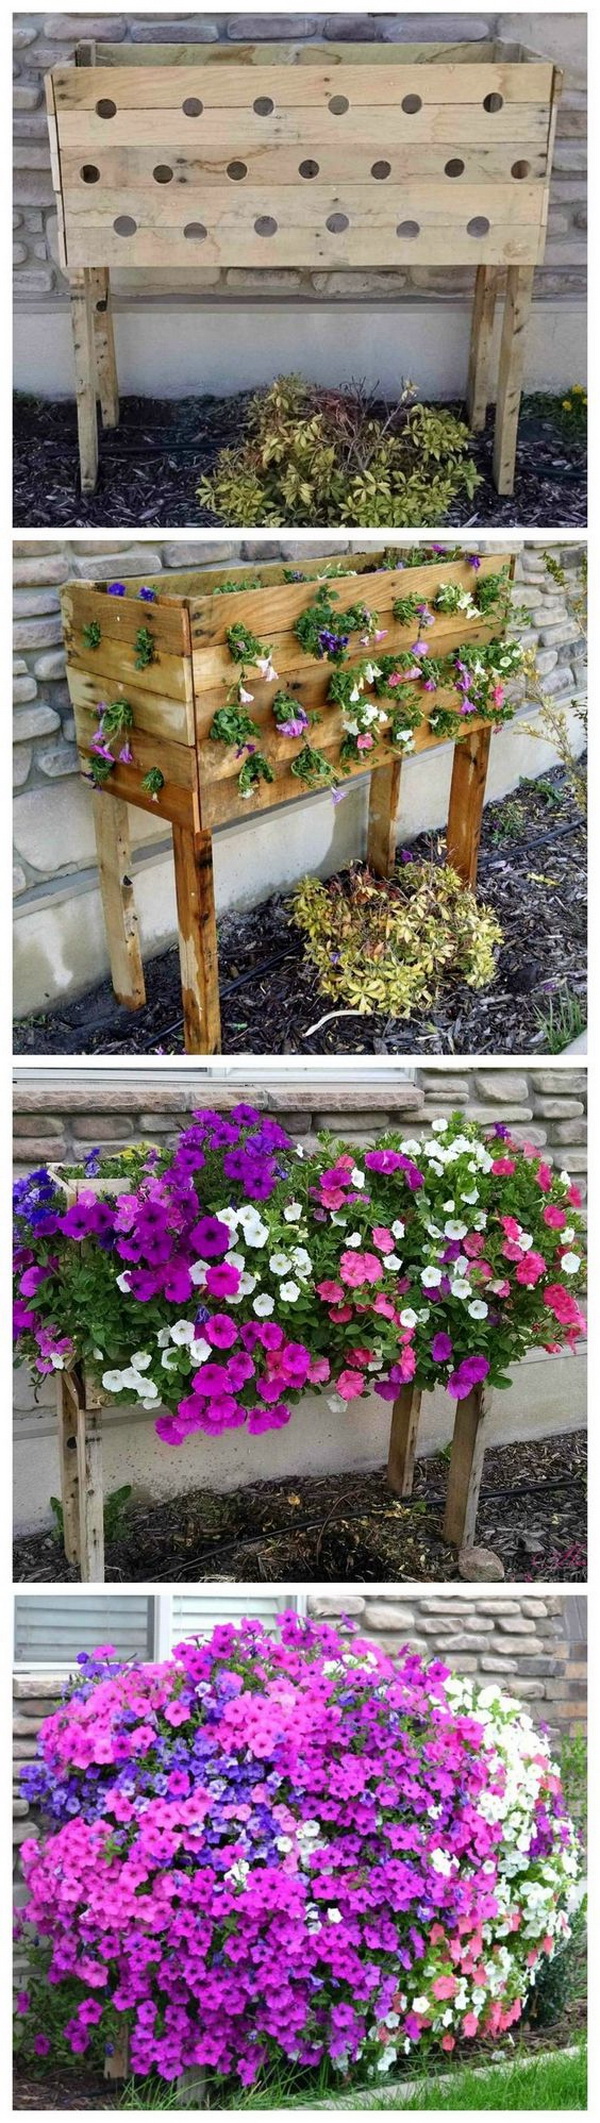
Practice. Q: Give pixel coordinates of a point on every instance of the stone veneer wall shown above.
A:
(60, 946)
(528, 1643)
(44, 41)
(60, 1117)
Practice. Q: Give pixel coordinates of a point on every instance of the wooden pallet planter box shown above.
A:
(80, 1403)
(335, 157)
(174, 699)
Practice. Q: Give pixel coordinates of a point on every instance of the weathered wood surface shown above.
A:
(194, 884)
(384, 798)
(519, 291)
(471, 1424)
(403, 1439)
(113, 856)
(479, 384)
(467, 792)
(227, 87)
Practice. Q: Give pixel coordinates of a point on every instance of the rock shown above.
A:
(480, 1564)
(35, 722)
(22, 757)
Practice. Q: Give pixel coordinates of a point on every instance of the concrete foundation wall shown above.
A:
(60, 946)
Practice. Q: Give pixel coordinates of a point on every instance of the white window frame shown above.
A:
(162, 1630)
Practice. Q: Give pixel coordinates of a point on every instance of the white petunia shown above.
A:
(408, 1318)
(169, 1359)
(571, 1262)
(200, 1350)
(182, 1331)
(334, 1916)
(256, 1235)
(163, 1337)
(477, 1311)
(279, 1263)
(112, 1381)
(431, 1277)
(141, 1360)
(263, 1304)
(289, 1292)
(357, 1177)
(460, 1288)
(198, 1274)
(302, 1260)
(453, 1228)
(151, 1392)
(439, 1127)
(398, 1228)
(293, 1213)
(391, 1260)
(123, 1281)
(354, 1239)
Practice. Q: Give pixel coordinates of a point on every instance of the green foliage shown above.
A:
(255, 769)
(311, 768)
(560, 1980)
(405, 610)
(243, 645)
(561, 1022)
(145, 651)
(100, 770)
(329, 457)
(388, 945)
(230, 726)
(92, 634)
(116, 717)
(153, 782)
(242, 582)
(115, 1511)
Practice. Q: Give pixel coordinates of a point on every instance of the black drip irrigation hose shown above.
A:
(227, 987)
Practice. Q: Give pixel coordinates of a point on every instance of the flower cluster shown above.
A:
(293, 1846)
(236, 1272)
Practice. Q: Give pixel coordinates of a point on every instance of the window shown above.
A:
(50, 1628)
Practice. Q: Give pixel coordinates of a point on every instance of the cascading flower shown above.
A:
(289, 1847)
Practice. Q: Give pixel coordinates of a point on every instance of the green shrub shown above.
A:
(328, 457)
(387, 945)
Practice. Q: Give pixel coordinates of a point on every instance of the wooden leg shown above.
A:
(104, 340)
(190, 2087)
(466, 1467)
(403, 1440)
(117, 2066)
(480, 355)
(68, 1396)
(465, 810)
(113, 854)
(85, 377)
(519, 289)
(91, 1495)
(384, 796)
(197, 940)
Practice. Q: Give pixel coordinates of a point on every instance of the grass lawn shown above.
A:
(548, 2082)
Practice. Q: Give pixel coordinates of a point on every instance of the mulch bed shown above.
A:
(151, 464)
(348, 1528)
(532, 873)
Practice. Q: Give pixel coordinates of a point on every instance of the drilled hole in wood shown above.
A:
(193, 107)
(309, 169)
(124, 225)
(336, 223)
(237, 170)
(338, 105)
(263, 106)
(89, 173)
(265, 226)
(493, 102)
(106, 108)
(520, 169)
(162, 174)
(195, 230)
(408, 228)
(478, 226)
(381, 170)
(454, 168)
(412, 104)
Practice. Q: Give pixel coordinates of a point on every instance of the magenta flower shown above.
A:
(210, 1238)
(441, 1348)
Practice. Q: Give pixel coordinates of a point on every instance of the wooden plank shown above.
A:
(384, 127)
(104, 342)
(519, 291)
(403, 1440)
(479, 388)
(194, 884)
(84, 354)
(177, 762)
(157, 716)
(384, 798)
(278, 164)
(505, 244)
(116, 2062)
(228, 87)
(274, 608)
(467, 793)
(115, 663)
(120, 618)
(113, 855)
(471, 1425)
(179, 807)
(91, 1496)
(289, 54)
(56, 169)
(215, 668)
(67, 1400)
(432, 202)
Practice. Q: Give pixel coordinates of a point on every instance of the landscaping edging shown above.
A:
(392, 2096)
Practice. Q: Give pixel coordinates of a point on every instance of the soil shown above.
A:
(532, 874)
(151, 464)
(348, 1528)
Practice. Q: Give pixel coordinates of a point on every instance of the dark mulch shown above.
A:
(151, 464)
(70, 2088)
(532, 873)
(348, 1528)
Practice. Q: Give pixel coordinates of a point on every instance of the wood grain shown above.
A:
(471, 1424)
(194, 883)
(403, 1440)
(113, 856)
(384, 798)
(519, 291)
(467, 794)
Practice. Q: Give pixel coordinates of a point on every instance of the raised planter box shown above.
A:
(174, 698)
(323, 157)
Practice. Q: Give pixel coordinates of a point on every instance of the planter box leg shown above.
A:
(117, 2066)
(191, 2086)
(465, 810)
(68, 1392)
(113, 856)
(91, 1495)
(197, 941)
(85, 377)
(104, 342)
(466, 1467)
(480, 355)
(384, 796)
(403, 1440)
(519, 289)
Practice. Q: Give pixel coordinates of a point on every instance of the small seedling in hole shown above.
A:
(145, 652)
(153, 782)
(92, 634)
